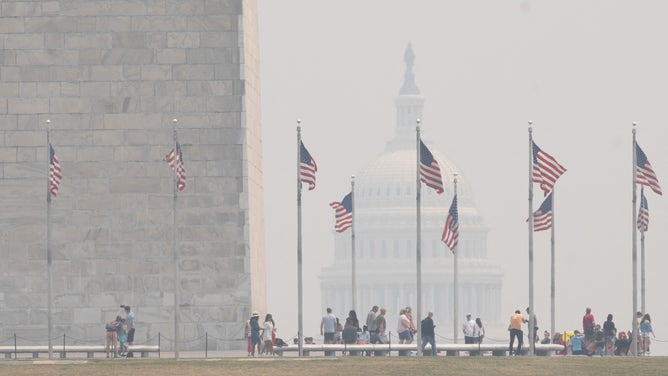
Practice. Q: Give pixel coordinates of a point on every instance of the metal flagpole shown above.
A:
(552, 273)
(642, 261)
(642, 272)
(532, 344)
(299, 242)
(352, 232)
(174, 247)
(49, 293)
(634, 251)
(418, 245)
(455, 287)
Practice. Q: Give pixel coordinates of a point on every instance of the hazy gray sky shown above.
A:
(583, 71)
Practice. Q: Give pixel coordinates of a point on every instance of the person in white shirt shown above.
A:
(268, 329)
(468, 328)
(328, 326)
(403, 327)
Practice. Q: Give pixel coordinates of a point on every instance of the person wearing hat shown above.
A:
(469, 328)
(130, 324)
(255, 332)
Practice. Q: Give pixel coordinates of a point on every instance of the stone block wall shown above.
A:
(110, 75)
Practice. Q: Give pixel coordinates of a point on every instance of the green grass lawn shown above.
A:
(316, 366)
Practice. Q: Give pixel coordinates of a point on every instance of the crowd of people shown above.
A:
(261, 338)
(594, 339)
(374, 331)
(120, 333)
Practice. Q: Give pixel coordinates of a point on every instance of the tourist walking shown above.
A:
(645, 330)
(403, 327)
(267, 331)
(412, 327)
(427, 332)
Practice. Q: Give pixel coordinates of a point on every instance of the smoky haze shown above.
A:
(583, 71)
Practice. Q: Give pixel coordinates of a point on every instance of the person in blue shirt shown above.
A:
(130, 322)
(577, 345)
(645, 330)
(255, 333)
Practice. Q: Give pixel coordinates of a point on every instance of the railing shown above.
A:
(406, 349)
(71, 345)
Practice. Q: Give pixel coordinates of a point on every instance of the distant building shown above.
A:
(385, 229)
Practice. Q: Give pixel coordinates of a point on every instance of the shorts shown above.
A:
(406, 335)
(131, 335)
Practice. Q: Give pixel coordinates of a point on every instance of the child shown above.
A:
(122, 336)
(112, 336)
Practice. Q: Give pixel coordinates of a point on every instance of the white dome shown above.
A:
(390, 180)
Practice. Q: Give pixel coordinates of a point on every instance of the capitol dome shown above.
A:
(385, 227)
(390, 180)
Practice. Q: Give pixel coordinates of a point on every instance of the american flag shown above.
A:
(430, 173)
(644, 173)
(546, 170)
(643, 213)
(344, 213)
(55, 174)
(451, 231)
(542, 218)
(307, 167)
(176, 159)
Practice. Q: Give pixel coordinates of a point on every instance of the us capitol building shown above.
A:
(385, 231)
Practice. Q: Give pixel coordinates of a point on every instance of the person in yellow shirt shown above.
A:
(515, 328)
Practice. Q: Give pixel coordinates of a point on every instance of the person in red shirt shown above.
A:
(588, 323)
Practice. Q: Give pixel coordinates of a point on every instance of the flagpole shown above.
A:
(552, 267)
(49, 293)
(299, 242)
(634, 251)
(352, 232)
(532, 344)
(642, 272)
(418, 251)
(174, 247)
(455, 287)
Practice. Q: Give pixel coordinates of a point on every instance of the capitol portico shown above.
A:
(385, 231)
